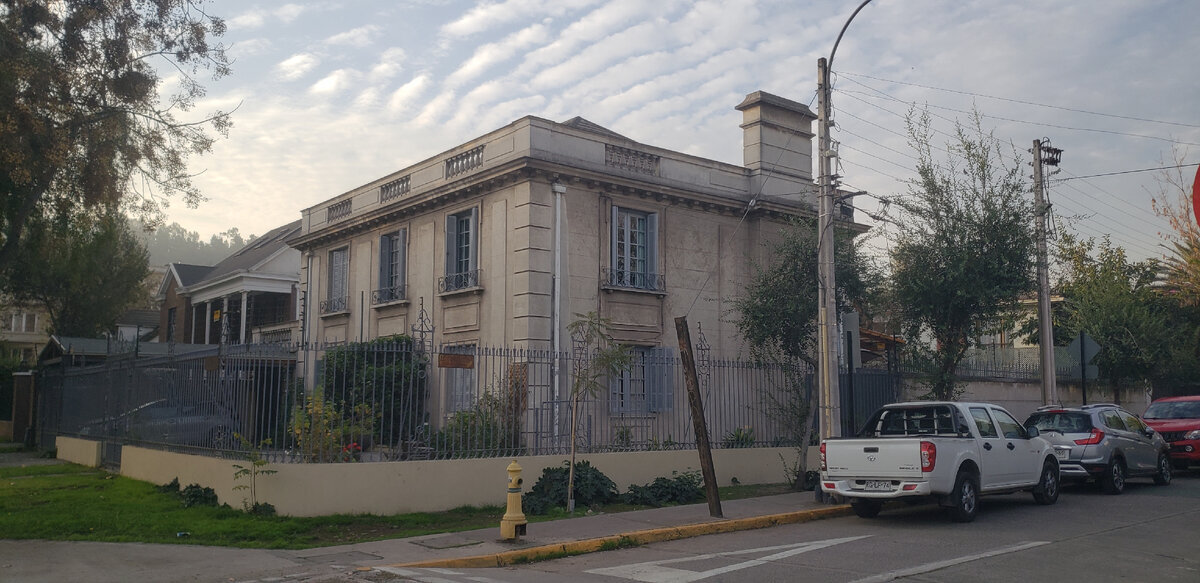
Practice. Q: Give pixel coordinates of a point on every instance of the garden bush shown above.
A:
(592, 487)
(680, 488)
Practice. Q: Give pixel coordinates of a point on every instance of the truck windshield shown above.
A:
(1173, 410)
(921, 420)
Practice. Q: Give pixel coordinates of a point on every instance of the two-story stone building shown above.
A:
(503, 240)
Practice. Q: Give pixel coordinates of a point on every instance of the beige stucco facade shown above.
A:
(542, 195)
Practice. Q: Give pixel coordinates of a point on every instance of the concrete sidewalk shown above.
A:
(38, 561)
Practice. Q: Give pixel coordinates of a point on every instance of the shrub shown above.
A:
(739, 437)
(680, 488)
(485, 430)
(388, 375)
(195, 495)
(324, 433)
(592, 487)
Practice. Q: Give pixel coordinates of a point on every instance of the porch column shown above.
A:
(207, 322)
(224, 320)
(245, 316)
(195, 320)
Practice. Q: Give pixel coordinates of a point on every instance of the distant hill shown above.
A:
(173, 243)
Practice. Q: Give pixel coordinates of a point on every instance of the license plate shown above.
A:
(878, 485)
(1063, 454)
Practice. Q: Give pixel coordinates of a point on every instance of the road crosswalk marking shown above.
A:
(662, 572)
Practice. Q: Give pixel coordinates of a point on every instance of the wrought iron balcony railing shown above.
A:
(388, 295)
(457, 281)
(334, 305)
(640, 280)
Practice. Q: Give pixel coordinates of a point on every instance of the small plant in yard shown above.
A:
(322, 430)
(197, 495)
(250, 472)
(592, 487)
(739, 437)
(624, 437)
(680, 488)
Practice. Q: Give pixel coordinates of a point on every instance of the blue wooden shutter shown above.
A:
(659, 378)
(451, 243)
(385, 262)
(473, 245)
(401, 252)
(613, 260)
(652, 251)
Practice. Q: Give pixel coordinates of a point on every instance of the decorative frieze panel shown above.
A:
(631, 160)
(394, 189)
(464, 162)
(337, 210)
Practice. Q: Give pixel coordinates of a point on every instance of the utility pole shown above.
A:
(1044, 154)
(827, 344)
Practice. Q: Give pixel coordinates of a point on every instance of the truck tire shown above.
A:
(1046, 492)
(965, 497)
(1113, 480)
(865, 507)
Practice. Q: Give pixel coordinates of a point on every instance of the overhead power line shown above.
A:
(1024, 102)
(1126, 172)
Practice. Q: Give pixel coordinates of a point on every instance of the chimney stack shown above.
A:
(777, 141)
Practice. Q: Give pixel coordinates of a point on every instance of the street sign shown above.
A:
(1089, 349)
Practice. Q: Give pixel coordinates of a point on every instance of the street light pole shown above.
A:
(827, 341)
(1044, 153)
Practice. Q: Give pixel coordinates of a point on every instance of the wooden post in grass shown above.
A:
(698, 423)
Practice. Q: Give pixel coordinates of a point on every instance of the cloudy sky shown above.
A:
(336, 94)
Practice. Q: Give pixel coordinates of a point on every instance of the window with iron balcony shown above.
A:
(392, 269)
(633, 257)
(462, 251)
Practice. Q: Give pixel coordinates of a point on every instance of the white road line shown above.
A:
(928, 567)
(442, 571)
(659, 572)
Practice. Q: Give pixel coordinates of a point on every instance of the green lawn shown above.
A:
(70, 502)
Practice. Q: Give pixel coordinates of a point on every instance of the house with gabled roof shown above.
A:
(250, 296)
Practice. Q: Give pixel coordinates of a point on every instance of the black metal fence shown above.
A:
(394, 399)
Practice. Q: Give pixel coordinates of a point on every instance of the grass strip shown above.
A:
(72, 502)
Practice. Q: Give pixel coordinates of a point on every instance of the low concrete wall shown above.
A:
(1022, 398)
(420, 486)
(84, 452)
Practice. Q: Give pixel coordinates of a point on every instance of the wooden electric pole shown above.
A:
(698, 422)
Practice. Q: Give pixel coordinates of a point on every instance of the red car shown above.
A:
(1178, 420)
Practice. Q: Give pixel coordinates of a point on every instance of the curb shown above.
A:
(637, 537)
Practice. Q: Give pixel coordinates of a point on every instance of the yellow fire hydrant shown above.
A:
(512, 525)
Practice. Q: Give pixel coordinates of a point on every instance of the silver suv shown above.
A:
(1104, 442)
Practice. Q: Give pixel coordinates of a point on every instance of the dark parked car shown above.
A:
(204, 424)
(1103, 442)
(1178, 420)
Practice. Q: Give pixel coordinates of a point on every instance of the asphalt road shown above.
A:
(1149, 533)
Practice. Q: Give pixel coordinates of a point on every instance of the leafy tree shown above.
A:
(963, 248)
(85, 270)
(173, 243)
(388, 375)
(1114, 301)
(601, 359)
(777, 316)
(1181, 273)
(82, 122)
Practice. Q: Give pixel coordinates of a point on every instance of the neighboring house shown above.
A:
(250, 296)
(23, 330)
(503, 240)
(138, 325)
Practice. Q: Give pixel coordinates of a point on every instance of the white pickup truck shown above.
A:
(953, 452)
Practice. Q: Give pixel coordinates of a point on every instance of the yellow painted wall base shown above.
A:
(426, 486)
(84, 452)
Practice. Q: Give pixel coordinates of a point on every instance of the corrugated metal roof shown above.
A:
(255, 253)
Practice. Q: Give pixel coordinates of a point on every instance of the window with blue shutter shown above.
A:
(644, 387)
(462, 250)
(392, 276)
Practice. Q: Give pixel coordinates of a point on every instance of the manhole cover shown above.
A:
(450, 541)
